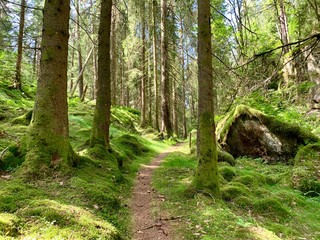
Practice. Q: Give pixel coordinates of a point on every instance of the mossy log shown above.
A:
(248, 132)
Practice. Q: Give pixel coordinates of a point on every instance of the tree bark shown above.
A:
(114, 55)
(183, 79)
(143, 121)
(17, 82)
(284, 32)
(80, 65)
(155, 67)
(101, 120)
(206, 177)
(165, 88)
(47, 140)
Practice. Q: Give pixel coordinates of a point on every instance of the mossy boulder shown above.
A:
(248, 132)
(306, 171)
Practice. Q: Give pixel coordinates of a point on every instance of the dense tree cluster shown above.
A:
(156, 56)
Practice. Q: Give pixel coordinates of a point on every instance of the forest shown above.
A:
(160, 119)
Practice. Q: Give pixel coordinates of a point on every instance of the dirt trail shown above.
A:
(148, 221)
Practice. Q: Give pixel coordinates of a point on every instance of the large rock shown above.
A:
(249, 132)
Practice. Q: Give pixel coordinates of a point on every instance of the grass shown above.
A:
(258, 202)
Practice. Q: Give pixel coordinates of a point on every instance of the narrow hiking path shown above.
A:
(149, 223)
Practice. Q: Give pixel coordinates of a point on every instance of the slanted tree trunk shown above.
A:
(101, 119)
(155, 67)
(47, 140)
(206, 177)
(17, 82)
(165, 87)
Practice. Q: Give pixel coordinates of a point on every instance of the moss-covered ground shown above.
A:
(91, 202)
(258, 201)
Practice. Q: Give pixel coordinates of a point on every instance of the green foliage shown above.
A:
(7, 66)
(256, 194)
(306, 171)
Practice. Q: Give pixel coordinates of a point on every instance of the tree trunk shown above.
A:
(114, 55)
(206, 177)
(80, 65)
(101, 120)
(155, 67)
(143, 121)
(47, 140)
(20, 42)
(284, 32)
(95, 74)
(149, 86)
(184, 118)
(35, 59)
(165, 88)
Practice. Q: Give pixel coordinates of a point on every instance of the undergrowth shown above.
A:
(89, 203)
(258, 202)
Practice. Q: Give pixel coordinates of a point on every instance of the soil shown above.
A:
(149, 222)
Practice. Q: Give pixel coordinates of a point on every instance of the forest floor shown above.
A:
(148, 221)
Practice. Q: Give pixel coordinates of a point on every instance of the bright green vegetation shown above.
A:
(91, 201)
(259, 201)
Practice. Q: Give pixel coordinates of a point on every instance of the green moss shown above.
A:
(276, 125)
(59, 216)
(224, 156)
(224, 125)
(234, 190)
(9, 225)
(243, 201)
(12, 158)
(124, 118)
(131, 145)
(24, 119)
(247, 180)
(289, 197)
(306, 171)
(271, 207)
(228, 173)
(46, 154)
